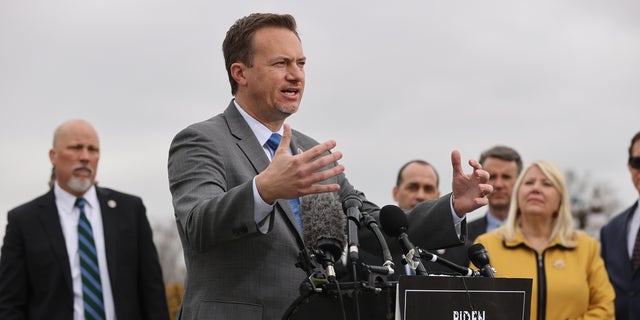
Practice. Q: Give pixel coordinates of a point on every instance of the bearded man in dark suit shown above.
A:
(45, 263)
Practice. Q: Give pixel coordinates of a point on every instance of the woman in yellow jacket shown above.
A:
(538, 241)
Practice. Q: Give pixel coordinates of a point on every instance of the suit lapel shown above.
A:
(621, 237)
(246, 141)
(249, 145)
(295, 148)
(477, 229)
(108, 210)
(51, 224)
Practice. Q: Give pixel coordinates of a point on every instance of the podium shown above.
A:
(421, 297)
(348, 300)
(463, 298)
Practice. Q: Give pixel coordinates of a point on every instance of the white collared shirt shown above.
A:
(69, 215)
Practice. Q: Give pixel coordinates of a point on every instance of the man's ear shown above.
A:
(52, 156)
(238, 70)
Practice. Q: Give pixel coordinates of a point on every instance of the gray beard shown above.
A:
(79, 185)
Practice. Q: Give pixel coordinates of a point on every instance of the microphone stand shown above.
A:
(352, 206)
(372, 224)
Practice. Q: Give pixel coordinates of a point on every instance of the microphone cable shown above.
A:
(344, 315)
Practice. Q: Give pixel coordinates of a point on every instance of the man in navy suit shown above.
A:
(42, 267)
(620, 244)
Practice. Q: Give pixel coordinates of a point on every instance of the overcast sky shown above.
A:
(389, 81)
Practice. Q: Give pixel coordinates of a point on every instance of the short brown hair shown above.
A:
(237, 45)
(503, 153)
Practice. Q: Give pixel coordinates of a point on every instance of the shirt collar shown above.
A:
(67, 200)
(492, 221)
(519, 240)
(261, 132)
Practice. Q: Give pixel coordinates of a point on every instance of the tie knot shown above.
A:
(274, 141)
(80, 202)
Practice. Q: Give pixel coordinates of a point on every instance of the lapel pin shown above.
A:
(111, 204)
(559, 264)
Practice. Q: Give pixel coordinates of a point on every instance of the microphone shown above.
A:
(324, 228)
(352, 206)
(465, 271)
(480, 258)
(394, 223)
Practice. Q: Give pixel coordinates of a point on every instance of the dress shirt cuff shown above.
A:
(262, 210)
(457, 221)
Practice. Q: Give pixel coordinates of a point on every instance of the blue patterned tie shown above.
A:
(89, 269)
(273, 143)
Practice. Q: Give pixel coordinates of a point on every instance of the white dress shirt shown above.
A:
(69, 215)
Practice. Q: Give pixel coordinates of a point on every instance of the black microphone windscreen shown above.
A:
(322, 218)
(393, 221)
(478, 255)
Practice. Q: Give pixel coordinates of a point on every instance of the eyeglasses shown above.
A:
(634, 162)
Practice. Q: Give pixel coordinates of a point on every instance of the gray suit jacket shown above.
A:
(233, 270)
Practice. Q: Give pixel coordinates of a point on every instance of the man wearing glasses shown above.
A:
(620, 240)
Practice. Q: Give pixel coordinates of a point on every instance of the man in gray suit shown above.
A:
(232, 188)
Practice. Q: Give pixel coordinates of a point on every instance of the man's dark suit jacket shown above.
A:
(456, 254)
(234, 271)
(626, 282)
(476, 228)
(35, 281)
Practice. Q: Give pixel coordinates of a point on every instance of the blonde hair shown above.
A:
(563, 227)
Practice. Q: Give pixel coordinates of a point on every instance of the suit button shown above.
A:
(240, 231)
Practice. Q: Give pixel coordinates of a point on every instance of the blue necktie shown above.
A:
(273, 143)
(89, 268)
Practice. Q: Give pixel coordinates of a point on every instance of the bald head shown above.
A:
(74, 156)
(70, 127)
